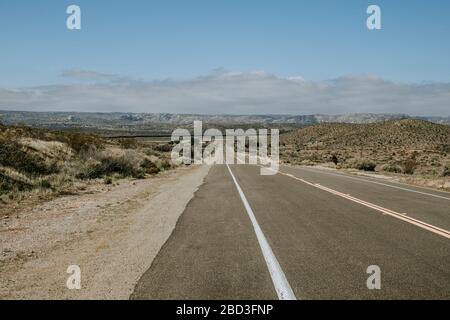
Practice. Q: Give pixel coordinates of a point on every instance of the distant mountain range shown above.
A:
(114, 121)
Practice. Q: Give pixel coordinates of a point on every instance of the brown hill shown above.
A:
(406, 146)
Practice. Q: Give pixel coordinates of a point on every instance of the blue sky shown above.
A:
(182, 39)
(186, 39)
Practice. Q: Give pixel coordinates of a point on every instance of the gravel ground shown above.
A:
(112, 233)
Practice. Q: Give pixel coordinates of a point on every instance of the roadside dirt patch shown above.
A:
(113, 234)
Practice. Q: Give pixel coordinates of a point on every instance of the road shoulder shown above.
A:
(113, 235)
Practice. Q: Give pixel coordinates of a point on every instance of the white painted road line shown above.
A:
(379, 183)
(402, 216)
(282, 286)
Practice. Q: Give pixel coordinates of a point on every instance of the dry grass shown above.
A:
(106, 163)
(52, 162)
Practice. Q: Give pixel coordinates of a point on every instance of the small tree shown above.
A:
(409, 166)
(334, 159)
(446, 170)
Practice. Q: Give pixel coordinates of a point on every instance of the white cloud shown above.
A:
(93, 76)
(223, 92)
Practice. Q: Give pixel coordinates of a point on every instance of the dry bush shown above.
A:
(76, 140)
(334, 159)
(44, 184)
(129, 143)
(13, 155)
(149, 166)
(409, 166)
(150, 152)
(9, 182)
(79, 141)
(446, 170)
(392, 167)
(107, 163)
(48, 162)
(164, 164)
(361, 164)
(164, 147)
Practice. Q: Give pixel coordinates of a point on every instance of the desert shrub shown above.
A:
(89, 169)
(128, 143)
(149, 166)
(88, 152)
(75, 140)
(107, 164)
(334, 159)
(361, 164)
(13, 155)
(8, 183)
(391, 167)
(107, 180)
(164, 147)
(165, 165)
(306, 162)
(446, 170)
(150, 152)
(414, 155)
(45, 184)
(444, 148)
(315, 157)
(366, 165)
(78, 141)
(409, 166)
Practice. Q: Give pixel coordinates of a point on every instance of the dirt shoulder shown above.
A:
(112, 233)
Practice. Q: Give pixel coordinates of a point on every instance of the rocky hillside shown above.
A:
(402, 146)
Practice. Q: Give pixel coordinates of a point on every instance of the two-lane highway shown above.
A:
(321, 238)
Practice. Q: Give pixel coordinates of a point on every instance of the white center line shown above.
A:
(282, 286)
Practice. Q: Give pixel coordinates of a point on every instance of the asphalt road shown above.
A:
(306, 234)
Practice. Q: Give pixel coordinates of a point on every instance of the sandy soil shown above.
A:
(112, 233)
